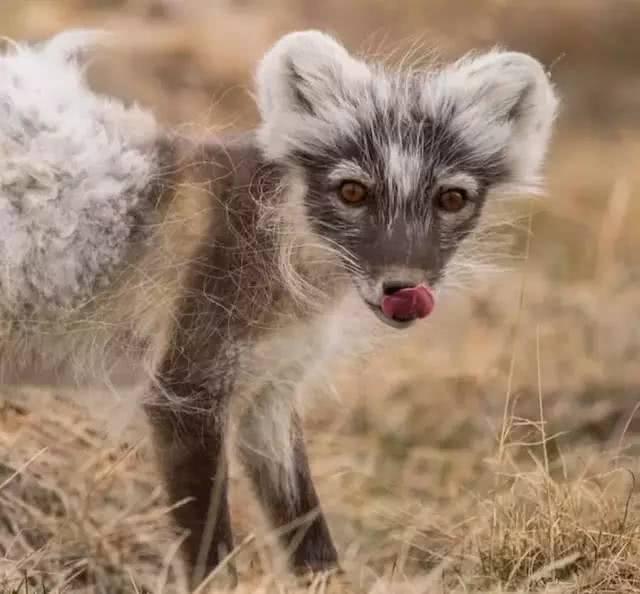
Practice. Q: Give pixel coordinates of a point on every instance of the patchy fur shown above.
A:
(227, 276)
(75, 180)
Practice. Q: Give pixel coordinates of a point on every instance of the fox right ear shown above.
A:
(303, 70)
(304, 75)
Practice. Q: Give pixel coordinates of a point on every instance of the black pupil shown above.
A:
(453, 200)
(352, 192)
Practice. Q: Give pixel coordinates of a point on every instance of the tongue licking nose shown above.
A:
(408, 304)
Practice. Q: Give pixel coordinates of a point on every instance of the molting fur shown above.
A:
(224, 275)
(75, 184)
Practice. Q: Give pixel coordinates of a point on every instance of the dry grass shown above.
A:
(496, 450)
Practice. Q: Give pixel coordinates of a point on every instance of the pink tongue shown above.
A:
(408, 304)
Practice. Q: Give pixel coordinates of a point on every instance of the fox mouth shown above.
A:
(401, 308)
(392, 322)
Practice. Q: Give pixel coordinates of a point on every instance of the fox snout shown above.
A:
(398, 299)
(407, 304)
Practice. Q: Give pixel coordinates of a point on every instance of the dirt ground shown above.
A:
(493, 450)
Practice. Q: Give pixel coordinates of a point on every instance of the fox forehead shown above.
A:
(390, 137)
(487, 115)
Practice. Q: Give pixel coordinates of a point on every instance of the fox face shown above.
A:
(397, 166)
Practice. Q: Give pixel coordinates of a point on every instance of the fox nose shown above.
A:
(392, 287)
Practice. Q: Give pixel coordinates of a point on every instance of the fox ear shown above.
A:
(506, 104)
(302, 71)
(305, 75)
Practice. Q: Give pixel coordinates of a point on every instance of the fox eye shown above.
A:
(452, 200)
(353, 192)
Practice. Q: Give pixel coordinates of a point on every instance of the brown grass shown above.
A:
(496, 449)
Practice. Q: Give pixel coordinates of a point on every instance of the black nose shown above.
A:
(391, 287)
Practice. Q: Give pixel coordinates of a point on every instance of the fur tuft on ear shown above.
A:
(504, 103)
(304, 75)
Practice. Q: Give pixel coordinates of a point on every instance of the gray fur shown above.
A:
(481, 124)
(224, 275)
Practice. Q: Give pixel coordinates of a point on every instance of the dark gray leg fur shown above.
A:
(191, 452)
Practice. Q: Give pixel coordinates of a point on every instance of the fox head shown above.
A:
(396, 167)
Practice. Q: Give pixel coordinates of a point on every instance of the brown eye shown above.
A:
(452, 200)
(353, 192)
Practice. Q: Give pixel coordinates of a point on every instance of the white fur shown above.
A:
(501, 101)
(283, 370)
(403, 168)
(485, 90)
(73, 168)
(325, 72)
(459, 180)
(351, 171)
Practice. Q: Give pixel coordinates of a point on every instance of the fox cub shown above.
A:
(211, 276)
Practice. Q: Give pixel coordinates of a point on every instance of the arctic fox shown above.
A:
(216, 273)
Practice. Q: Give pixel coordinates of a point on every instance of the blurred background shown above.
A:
(427, 461)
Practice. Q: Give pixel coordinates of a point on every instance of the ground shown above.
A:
(493, 450)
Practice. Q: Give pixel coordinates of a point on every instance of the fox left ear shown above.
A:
(505, 104)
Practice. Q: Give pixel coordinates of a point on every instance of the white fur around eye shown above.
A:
(349, 170)
(459, 180)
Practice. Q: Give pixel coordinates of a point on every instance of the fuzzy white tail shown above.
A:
(75, 168)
